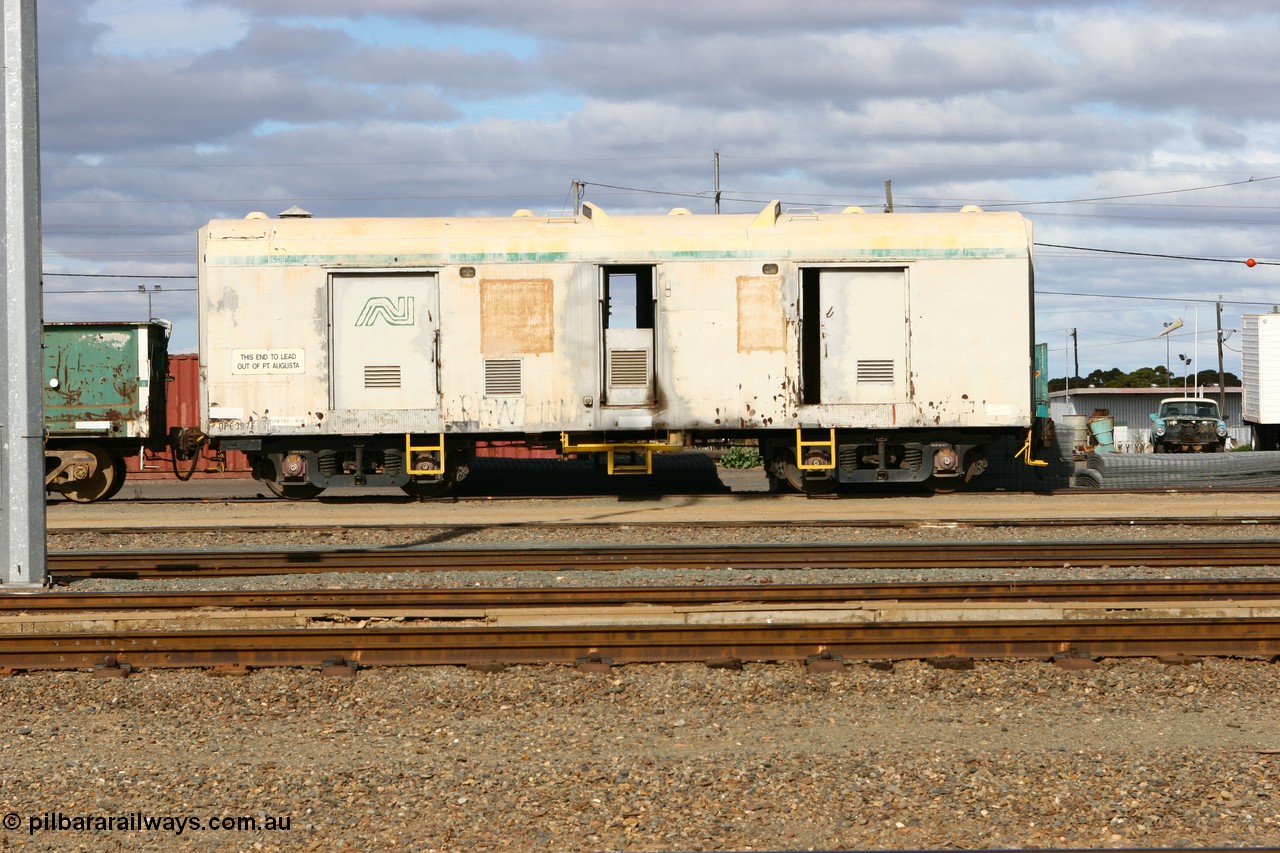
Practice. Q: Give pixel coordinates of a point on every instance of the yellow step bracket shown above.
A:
(1025, 452)
(829, 444)
(610, 449)
(410, 447)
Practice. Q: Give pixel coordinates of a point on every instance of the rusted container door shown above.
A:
(384, 331)
(862, 321)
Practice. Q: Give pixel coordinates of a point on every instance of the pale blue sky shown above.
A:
(1134, 127)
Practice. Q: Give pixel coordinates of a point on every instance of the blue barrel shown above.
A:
(1102, 429)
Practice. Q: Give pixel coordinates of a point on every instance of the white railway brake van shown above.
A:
(851, 347)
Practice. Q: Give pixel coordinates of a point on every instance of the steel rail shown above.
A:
(382, 600)
(98, 526)
(67, 566)
(418, 646)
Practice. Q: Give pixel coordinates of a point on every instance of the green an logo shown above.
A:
(399, 313)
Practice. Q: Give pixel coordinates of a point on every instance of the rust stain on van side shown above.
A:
(516, 316)
(762, 323)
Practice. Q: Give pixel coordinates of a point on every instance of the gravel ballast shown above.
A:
(1135, 753)
(678, 757)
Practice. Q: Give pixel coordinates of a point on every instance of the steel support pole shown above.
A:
(21, 401)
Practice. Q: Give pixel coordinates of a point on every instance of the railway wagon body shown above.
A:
(853, 347)
(104, 400)
(1260, 375)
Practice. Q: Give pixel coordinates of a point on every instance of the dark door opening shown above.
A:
(628, 312)
(810, 337)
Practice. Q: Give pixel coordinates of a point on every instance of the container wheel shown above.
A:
(430, 488)
(294, 491)
(950, 485)
(424, 489)
(808, 485)
(105, 481)
(121, 474)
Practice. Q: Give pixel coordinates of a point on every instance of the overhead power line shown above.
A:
(1178, 299)
(1138, 195)
(109, 275)
(1249, 262)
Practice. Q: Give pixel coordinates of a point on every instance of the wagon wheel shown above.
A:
(429, 488)
(105, 481)
(293, 491)
(121, 474)
(949, 485)
(809, 486)
(424, 489)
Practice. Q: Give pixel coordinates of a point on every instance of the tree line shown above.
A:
(1144, 377)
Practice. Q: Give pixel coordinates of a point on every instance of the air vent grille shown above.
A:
(629, 368)
(382, 376)
(503, 377)
(875, 370)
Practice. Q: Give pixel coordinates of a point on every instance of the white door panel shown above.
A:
(864, 336)
(384, 329)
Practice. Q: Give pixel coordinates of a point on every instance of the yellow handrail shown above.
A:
(1025, 452)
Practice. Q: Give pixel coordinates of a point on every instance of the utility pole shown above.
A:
(1067, 371)
(577, 197)
(1222, 392)
(888, 195)
(1075, 345)
(717, 178)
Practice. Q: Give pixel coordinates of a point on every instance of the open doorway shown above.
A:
(628, 310)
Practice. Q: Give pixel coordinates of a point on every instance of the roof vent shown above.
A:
(971, 208)
(295, 212)
(523, 213)
(679, 211)
(256, 214)
(853, 209)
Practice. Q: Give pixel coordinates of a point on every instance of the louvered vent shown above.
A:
(502, 377)
(382, 376)
(875, 370)
(629, 368)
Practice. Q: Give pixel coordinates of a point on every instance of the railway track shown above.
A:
(362, 602)
(107, 527)
(66, 567)
(823, 626)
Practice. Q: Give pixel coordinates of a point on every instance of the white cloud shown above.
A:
(158, 115)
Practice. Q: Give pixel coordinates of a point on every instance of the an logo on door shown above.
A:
(398, 313)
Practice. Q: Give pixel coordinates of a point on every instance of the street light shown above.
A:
(1186, 369)
(142, 288)
(1170, 326)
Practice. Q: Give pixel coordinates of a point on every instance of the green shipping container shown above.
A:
(105, 381)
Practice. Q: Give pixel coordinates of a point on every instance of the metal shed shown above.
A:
(1132, 408)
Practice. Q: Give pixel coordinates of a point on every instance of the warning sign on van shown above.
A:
(263, 362)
